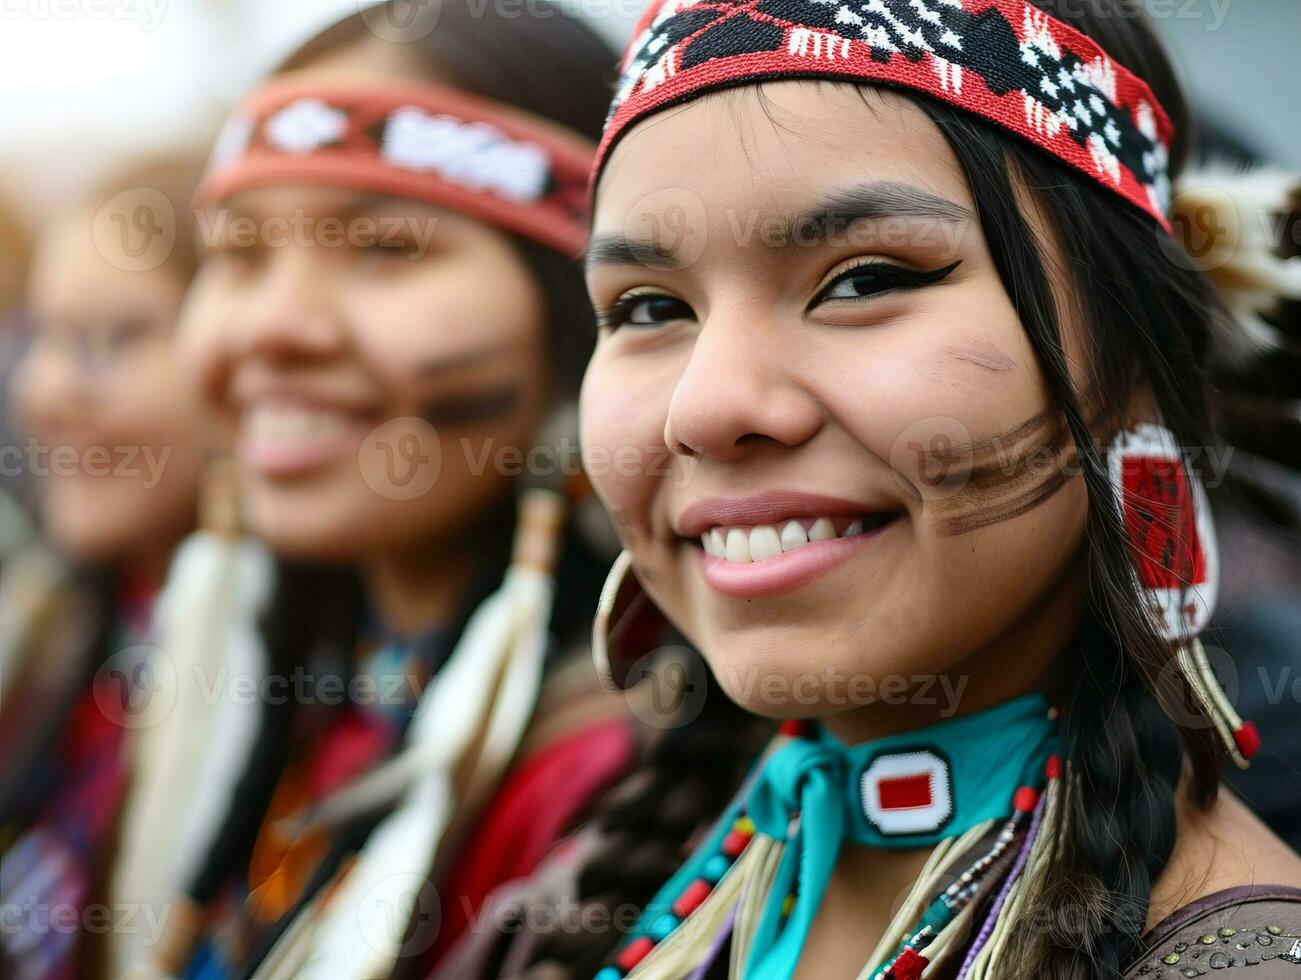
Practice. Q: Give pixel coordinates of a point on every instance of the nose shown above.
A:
(290, 313)
(738, 393)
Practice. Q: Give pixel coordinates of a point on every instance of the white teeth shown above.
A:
(293, 422)
(822, 530)
(793, 535)
(764, 543)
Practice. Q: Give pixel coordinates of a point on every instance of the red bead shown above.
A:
(1248, 739)
(634, 953)
(734, 843)
(794, 728)
(908, 966)
(1054, 768)
(690, 900)
(1025, 799)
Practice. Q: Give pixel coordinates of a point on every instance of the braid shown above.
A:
(649, 822)
(1125, 757)
(1148, 322)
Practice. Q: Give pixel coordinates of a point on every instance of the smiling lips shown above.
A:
(282, 438)
(775, 543)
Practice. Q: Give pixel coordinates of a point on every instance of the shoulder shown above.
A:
(1224, 847)
(1230, 898)
(1254, 930)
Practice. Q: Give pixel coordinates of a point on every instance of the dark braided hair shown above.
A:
(650, 822)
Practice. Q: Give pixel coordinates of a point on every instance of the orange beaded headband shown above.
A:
(429, 143)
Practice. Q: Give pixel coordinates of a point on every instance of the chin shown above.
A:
(787, 673)
(764, 677)
(82, 531)
(304, 530)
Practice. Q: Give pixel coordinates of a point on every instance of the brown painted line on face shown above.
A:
(1011, 483)
(1024, 502)
(475, 409)
(970, 454)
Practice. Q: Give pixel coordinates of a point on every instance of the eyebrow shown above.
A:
(872, 201)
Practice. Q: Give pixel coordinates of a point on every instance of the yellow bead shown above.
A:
(744, 824)
(788, 904)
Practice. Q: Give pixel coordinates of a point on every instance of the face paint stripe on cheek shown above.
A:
(1006, 488)
(1012, 483)
(1024, 502)
(475, 409)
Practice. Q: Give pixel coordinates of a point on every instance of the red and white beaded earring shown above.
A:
(1168, 524)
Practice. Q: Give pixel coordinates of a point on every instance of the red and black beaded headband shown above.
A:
(473, 155)
(1004, 60)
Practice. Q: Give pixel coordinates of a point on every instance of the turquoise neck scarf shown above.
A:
(904, 791)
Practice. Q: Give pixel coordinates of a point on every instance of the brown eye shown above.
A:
(646, 310)
(876, 278)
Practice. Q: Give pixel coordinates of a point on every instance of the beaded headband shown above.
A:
(473, 155)
(1004, 60)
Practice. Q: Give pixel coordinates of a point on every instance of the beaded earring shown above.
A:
(1168, 524)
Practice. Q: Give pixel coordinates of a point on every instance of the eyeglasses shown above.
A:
(97, 348)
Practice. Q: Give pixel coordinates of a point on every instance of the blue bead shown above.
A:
(661, 927)
(609, 973)
(715, 868)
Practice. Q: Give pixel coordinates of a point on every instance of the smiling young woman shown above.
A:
(930, 369)
(387, 314)
(114, 442)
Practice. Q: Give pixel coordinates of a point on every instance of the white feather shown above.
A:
(1247, 211)
(185, 767)
(484, 694)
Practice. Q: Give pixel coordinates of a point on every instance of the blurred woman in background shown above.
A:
(114, 444)
(15, 254)
(386, 319)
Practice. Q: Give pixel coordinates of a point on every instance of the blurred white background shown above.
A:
(84, 83)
